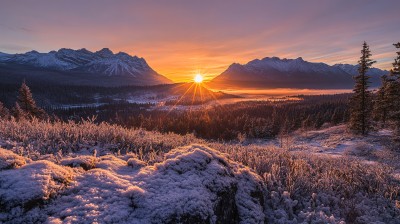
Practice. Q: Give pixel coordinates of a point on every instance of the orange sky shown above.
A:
(180, 38)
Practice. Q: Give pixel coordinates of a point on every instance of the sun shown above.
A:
(198, 78)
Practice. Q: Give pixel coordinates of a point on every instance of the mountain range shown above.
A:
(273, 72)
(82, 67)
(104, 68)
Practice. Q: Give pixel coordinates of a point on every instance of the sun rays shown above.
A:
(194, 95)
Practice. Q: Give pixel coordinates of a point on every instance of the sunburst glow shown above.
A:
(198, 78)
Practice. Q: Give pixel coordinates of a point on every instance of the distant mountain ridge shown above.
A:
(353, 70)
(101, 63)
(273, 72)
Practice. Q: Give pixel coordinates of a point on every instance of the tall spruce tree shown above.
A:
(28, 104)
(25, 99)
(361, 101)
(393, 92)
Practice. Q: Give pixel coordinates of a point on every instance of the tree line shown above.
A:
(252, 119)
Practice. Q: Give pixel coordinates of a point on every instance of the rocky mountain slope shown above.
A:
(291, 73)
(84, 67)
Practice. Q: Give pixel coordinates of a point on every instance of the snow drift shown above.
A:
(194, 184)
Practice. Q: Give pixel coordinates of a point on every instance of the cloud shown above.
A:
(180, 37)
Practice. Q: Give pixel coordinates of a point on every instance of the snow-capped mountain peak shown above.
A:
(294, 73)
(103, 62)
(3, 55)
(353, 70)
(105, 52)
(287, 65)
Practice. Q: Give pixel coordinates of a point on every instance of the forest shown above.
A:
(254, 119)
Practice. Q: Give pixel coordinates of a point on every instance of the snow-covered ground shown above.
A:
(88, 173)
(194, 184)
(337, 141)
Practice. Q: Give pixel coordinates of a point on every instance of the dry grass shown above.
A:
(47, 137)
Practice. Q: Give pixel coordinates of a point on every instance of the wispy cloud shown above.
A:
(181, 37)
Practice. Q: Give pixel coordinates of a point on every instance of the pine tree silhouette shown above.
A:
(361, 102)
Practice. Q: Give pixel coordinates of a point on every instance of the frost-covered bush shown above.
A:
(69, 137)
(10, 160)
(336, 183)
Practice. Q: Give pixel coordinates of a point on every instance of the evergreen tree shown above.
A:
(27, 103)
(382, 103)
(393, 92)
(4, 113)
(396, 65)
(25, 99)
(18, 113)
(361, 102)
(337, 117)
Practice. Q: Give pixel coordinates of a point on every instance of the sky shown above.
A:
(180, 38)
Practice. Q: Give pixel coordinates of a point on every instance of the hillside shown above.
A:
(78, 67)
(290, 73)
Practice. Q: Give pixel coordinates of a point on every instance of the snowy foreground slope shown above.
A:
(56, 172)
(194, 184)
